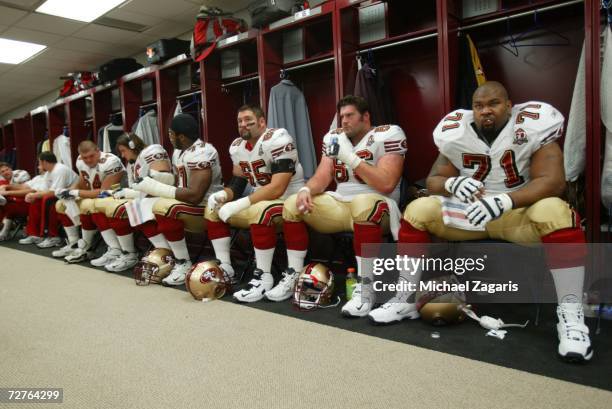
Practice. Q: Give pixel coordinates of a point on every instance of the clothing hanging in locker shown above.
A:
(61, 149)
(606, 116)
(371, 86)
(470, 74)
(147, 128)
(107, 137)
(287, 109)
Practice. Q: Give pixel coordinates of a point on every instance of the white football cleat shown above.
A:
(394, 310)
(124, 262)
(30, 240)
(49, 242)
(79, 254)
(64, 251)
(358, 306)
(110, 256)
(257, 287)
(285, 287)
(178, 273)
(574, 341)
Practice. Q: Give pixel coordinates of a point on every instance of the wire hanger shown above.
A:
(284, 75)
(514, 42)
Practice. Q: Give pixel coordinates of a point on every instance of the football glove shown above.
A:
(484, 210)
(463, 187)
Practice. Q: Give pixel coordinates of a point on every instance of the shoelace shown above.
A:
(287, 279)
(573, 323)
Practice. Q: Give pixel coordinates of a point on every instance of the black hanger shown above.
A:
(283, 74)
(513, 43)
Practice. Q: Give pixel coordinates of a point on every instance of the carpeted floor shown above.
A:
(111, 344)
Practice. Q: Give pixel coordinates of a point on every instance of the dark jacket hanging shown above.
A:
(371, 86)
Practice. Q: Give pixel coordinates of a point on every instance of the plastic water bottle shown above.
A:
(351, 282)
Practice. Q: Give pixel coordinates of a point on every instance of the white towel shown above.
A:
(574, 147)
(606, 116)
(453, 214)
(140, 211)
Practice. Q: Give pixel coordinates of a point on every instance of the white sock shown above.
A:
(88, 235)
(72, 233)
(264, 259)
(222, 249)
(358, 259)
(127, 243)
(159, 241)
(110, 238)
(411, 278)
(296, 258)
(179, 248)
(568, 283)
(6, 227)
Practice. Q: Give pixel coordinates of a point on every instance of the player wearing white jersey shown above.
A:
(366, 163)
(266, 159)
(110, 212)
(98, 171)
(198, 173)
(12, 193)
(41, 214)
(503, 162)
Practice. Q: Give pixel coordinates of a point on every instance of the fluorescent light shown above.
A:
(82, 10)
(15, 52)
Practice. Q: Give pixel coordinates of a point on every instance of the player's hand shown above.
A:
(231, 208)
(30, 198)
(217, 199)
(483, 210)
(344, 152)
(463, 187)
(303, 201)
(126, 193)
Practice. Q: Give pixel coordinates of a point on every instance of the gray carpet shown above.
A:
(111, 344)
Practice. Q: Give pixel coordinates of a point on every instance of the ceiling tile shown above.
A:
(157, 8)
(39, 37)
(78, 44)
(10, 16)
(50, 24)
(106, 34)
(138, 18)
(167, 29)
(23, 3)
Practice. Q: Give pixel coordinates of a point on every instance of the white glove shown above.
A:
(217, 199)
(126, 193)
(489, 208)
(463, 187)
(166, 178)
(156, 189)
(345, 153)
(2, 200)
(231, 208)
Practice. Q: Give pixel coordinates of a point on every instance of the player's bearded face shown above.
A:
(352, 121)
(248, 125)
(491, 112)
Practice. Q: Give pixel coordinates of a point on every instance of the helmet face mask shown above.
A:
(154, 267)
(314, 287)
(207, 281)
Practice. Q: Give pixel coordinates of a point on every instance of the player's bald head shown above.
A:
(491, 88)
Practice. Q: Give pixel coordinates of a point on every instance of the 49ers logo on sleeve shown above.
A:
(279, 151)
(269, 134)
(158, 156)
(199, 165)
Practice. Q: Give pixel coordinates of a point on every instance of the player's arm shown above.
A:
(20, 190)
(107, 184)
(199, 182)
(385, 176)
(441, 170)
(161, 166)
(323, 176)
(547, 177)
(273, 190)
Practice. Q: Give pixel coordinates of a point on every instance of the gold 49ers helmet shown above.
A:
(314, 287)
(440, 305)
(154, 267)
(207, 281)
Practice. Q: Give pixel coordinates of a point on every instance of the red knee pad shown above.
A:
(367, 234)
(565, 248)
(296, 235)
(172, 229)
(412, 241)
(101, 221)
(263, 237)
(120, 226)
(217, 230)
(87, 222)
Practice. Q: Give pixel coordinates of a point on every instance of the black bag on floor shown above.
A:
(117, 68)
(166, 48)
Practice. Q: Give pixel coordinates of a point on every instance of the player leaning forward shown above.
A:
(366, 163)
(502, 164)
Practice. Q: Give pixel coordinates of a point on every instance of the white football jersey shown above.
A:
(256, 161)
(503, 166)
(141, 167)
(198, 156)
(19, 177)
(38, 183)
(379, 141)
(108, 165)
(61, 177)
